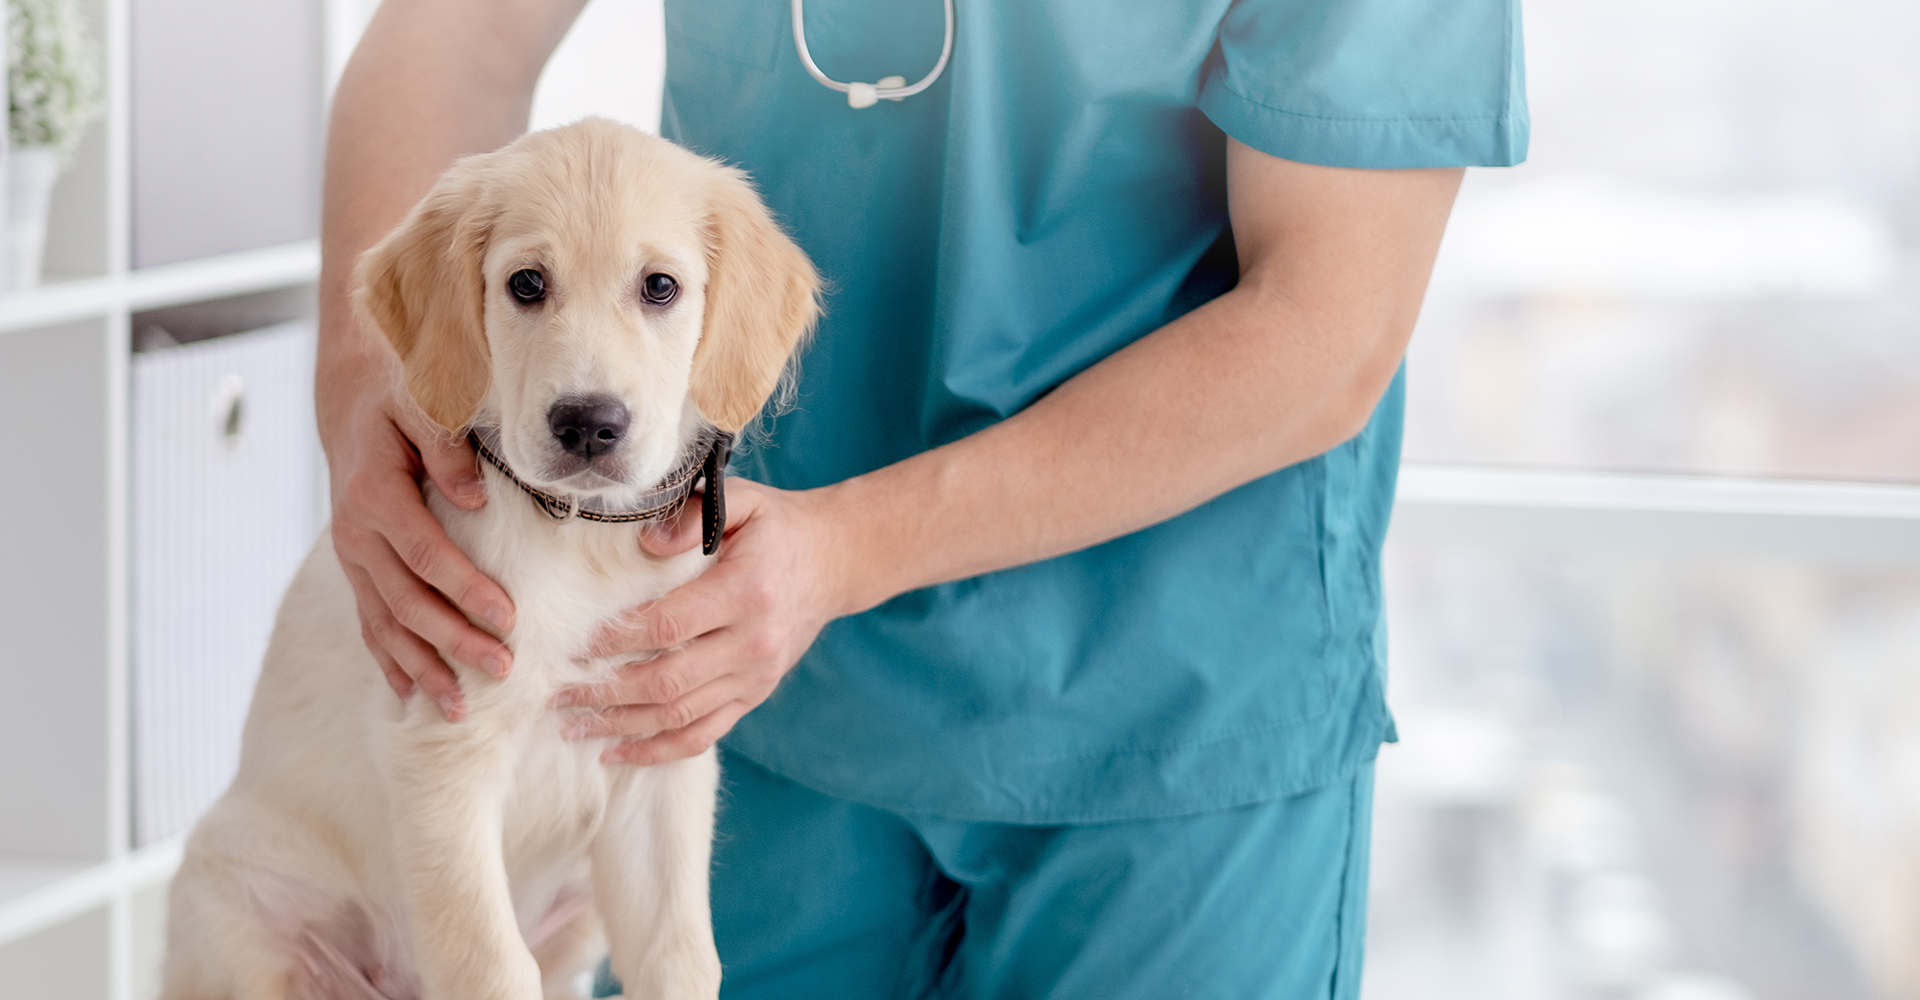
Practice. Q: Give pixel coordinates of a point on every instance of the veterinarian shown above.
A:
(1058, 614)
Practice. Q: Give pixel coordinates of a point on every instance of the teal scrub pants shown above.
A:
(818, 897)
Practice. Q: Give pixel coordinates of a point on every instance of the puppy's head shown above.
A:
(600, 294)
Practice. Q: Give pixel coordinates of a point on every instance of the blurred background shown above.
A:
(1654, 580)
(1646, 753)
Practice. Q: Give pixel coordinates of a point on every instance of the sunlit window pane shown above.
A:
(1657, 779)
(1712, 261)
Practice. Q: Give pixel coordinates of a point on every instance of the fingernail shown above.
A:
(495, 665)
(498, 616)
(468, 487)
(563, 699)
(450, 707)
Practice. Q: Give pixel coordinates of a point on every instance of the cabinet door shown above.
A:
(223, 451)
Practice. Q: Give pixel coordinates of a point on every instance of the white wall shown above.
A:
(220, 164)
(226, 126)
(611, 64)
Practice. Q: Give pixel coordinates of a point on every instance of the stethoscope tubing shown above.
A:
(882, 93)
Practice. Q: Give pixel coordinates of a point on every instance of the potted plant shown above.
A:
(53, 90)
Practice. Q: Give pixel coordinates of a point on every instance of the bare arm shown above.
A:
(1287, 365)
(431, 81)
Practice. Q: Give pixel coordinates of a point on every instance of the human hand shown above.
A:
(410, 582)
(729, 635)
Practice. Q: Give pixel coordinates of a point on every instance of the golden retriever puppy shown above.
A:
(600, 309)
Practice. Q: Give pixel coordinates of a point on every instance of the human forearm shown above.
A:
(1285, 367)
(1180, 417)
(431, 81)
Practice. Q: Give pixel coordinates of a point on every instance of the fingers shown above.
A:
(681, 533)
(407, 624)
(729, 636)
(427, 616)
(451, 464)
(401, 652)
(652, 719)
(411, 583)
(691, 611)
(679, 743)
(397, 678)
(655, 681)
(677, 534)
(382, 526)
(410, 532)
(695, 608)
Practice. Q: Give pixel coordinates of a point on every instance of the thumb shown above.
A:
(674, 535)
(451, 464)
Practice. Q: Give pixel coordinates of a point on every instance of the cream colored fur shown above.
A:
(371, 849)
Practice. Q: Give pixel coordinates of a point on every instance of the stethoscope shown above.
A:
(864, 95)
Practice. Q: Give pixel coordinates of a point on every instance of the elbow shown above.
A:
(1350, 405)
(1343, 424)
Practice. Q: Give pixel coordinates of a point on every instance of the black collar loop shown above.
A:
(706, 463)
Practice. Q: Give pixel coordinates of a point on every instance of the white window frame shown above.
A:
(1642, 514)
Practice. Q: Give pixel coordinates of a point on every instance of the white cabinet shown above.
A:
(79, 902)
(224, 505)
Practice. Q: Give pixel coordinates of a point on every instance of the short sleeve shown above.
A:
(1372, 83)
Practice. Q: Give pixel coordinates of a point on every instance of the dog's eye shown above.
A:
(659, 289)
(527, 285)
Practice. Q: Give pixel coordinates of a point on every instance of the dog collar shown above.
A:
(704, 464)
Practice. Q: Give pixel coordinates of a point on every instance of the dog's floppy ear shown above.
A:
(762, 298)
(422, 286)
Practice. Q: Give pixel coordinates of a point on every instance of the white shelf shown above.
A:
(80, 912)
(154, 287)
(24, 878)
(37, 893)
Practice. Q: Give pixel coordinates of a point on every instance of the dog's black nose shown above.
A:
(588, 425)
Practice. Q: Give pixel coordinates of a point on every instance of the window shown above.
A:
(1654, 584)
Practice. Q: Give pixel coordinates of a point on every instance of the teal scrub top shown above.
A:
(1058, 193)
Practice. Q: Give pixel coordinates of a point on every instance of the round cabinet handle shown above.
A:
(229, 411)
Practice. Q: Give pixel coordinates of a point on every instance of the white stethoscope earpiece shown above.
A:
(865, 95)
